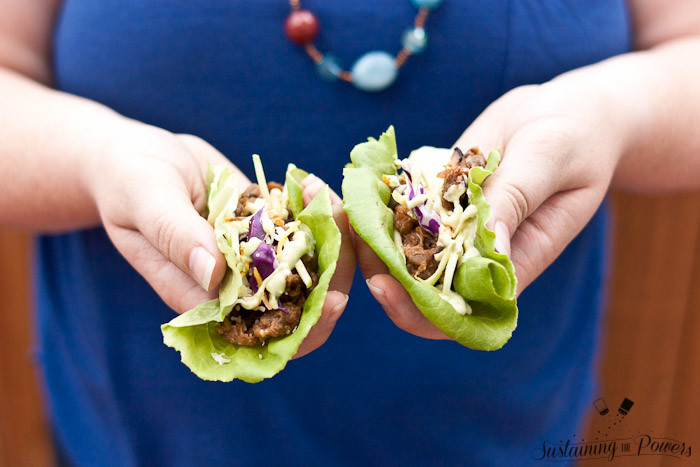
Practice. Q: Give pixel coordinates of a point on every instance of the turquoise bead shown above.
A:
(414, 40)
(328, 69)
(374, 71)
(429, 4)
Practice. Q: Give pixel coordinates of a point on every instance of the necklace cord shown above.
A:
(374, 71)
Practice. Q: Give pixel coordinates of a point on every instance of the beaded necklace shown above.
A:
(375, 70)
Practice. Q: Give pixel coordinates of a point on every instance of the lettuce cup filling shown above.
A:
(280, 257)
(425, 217)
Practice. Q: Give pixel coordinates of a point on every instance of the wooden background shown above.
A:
(652, 345)
(24, 437)
(651, 350)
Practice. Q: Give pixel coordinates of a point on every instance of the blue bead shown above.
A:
(374, 71)
(328, 69)
(414, 40)
(429, 4)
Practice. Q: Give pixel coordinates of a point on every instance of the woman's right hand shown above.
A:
(149, 188)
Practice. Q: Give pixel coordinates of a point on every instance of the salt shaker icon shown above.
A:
(601, 407)
(625, 406)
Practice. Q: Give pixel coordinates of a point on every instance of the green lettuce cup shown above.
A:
(484, 280)
(194, 333)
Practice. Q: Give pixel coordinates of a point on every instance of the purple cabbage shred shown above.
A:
(427, 218)
(255, 228)
(264, 259)
(253, 283)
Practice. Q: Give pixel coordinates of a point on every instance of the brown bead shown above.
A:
(301, 27)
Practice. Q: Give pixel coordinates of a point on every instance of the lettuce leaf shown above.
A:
(486, 282)
(294, 190)
(193, 333)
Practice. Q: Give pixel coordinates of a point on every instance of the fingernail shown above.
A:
(315, 186)
(337, 210)
(202, 265)
(311, 186)
(374, 288)
(308, 180)
(337, 310)
(382, 295)
(502, 243)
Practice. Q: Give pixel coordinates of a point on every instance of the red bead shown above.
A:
(301, 27)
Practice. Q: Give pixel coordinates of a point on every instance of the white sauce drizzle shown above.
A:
(300, 244)
(458, 230)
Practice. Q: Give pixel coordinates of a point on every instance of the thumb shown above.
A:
(519, 186)
(171, 224)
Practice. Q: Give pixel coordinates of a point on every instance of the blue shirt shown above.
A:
(223, 70)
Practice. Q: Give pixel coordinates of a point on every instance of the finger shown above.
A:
(514, 192)
(522, 182)
(312, 185)
(345, 268)
(171, 218)
(172, 225)
(542, 237)
(400, 307)
(370, 264)
(525, 178)
(178, 290)
(333, 307)
(529, 195)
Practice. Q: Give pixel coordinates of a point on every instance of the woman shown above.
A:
(147, 72)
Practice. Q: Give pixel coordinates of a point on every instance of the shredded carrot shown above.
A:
(279, 222)
(256, 274)
(265, 302)
(386, 180)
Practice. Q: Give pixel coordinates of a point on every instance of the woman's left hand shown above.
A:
(339, 287)
(560, 144)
